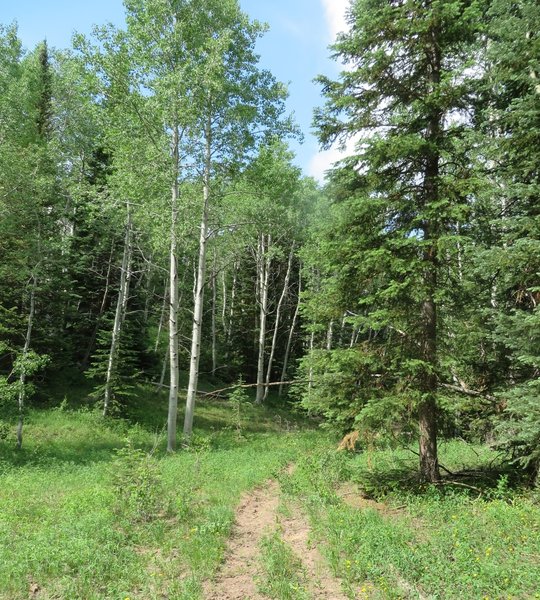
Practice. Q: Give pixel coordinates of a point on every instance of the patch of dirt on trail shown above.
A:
(255, 516)
(322, 584)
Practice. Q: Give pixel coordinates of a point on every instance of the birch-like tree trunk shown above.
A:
(290, 337)
(199, 293)
(174, 305)
(330, 335)
(26, 349)
(277, 323)
(214, 309)
(162, 316)
(120, 314)
(233, 297)
(263, 275)
(224, 302)
(90, 347)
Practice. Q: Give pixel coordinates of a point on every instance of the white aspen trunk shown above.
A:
(311, 346)
(214, 309)
(162, 316)
(233, 296)
(330, 335)
(199, 294)
(163, 370)
(26, 349)
(92, 341)
(276, 324)
(263, 267)
(341, 330)
(290, 337)
(224, 303)
(120, 314)
(174, 305)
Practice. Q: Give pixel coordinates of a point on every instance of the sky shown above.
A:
(295, 48)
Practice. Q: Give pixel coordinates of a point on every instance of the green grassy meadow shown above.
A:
(93, 508)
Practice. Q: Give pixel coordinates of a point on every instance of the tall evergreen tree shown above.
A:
(406, 92)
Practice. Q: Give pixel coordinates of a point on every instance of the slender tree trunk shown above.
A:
(263, 268)
(342, 330)
(311, 348)
(277, 323)
(101, 312)
(427, 410)
(224, 303)
(163, 370)
(162, 316)
(120, 314)
(290, 337)
(199, 295)
(214, 309)
(26, 349)
(174, 305)
(233, 297)
(330, 335)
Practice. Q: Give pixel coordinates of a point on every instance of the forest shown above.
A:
(222, 379)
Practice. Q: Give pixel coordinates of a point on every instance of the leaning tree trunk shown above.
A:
(120, 315)
(26, 350)
(277, 323)
(174, 305)
(91, 343)
(263, 275)
(291, 334)
(199, 294)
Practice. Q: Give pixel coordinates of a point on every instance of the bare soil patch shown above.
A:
(256, 516)
(322, 585)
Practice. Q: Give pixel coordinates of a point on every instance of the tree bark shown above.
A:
(174, 304)
(90, 347)
(427, 410)
(291, 334)
(162, 316)
(199, 294)
(277, 322)
(26, 349)
(214, 309)
(233, 297)
(120, 314)
(263, 274)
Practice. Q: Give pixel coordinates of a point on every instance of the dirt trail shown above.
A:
(322, 584)
(257, 516)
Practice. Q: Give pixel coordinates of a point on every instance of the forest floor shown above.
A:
(261, 506)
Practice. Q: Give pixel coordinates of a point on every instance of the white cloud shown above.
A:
(334, 11)
(325, 160)
(335, 16)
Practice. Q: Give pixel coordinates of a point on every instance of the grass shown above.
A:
(423, 541)
(74, 522)
(94, 509)
(283, 577)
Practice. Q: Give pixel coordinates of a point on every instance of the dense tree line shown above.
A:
(430, 267)
(152, 221)
(151, 216)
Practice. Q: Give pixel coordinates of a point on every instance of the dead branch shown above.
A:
(468, 392)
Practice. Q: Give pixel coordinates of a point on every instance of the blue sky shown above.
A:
(295, 49)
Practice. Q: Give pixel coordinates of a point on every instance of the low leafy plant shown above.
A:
(137, 484)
